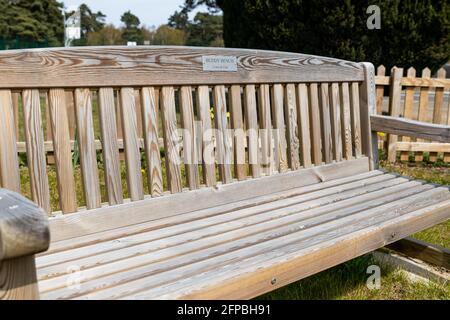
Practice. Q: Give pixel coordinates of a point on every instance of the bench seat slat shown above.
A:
(214, 215)
(286, 225)
(69, 244)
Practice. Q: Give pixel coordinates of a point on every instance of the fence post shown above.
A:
(381, 71)
(437, 111)
(409, 107)
(395, 92)
(423, 108)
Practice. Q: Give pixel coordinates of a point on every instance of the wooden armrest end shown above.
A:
(410, 128)
(24, 228)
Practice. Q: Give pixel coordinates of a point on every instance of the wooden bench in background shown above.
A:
(250, 215)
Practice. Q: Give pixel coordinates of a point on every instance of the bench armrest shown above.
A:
(410, 128)
(24, 228)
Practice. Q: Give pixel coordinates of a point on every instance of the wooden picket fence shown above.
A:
(422, 98)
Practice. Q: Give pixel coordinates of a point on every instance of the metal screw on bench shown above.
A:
(273, 281)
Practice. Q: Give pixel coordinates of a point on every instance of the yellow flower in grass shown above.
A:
(381, 134)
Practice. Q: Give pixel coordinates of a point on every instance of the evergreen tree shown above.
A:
(90, 22)
(131, 32)
(413, 33)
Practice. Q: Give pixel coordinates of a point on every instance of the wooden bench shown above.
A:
(294, 190)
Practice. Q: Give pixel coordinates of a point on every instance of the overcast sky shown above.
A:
(150, 12)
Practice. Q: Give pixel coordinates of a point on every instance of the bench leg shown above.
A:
(18, 279)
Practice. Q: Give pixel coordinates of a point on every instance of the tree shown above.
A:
(166, 35)
(131, 32)
(34, 21)
(413, 33)
(107, 36)
(90, 22)
(205, 29)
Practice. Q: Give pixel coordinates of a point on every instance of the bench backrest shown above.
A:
(296, 111)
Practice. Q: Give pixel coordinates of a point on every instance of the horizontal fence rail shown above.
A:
(422, 98)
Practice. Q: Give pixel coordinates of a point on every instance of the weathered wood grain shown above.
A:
(190, 151)
(149, 106)
(237, 123)
(381, 71)
(411, 128)
(316, 131)
(251, 119)
(346, 121)
(265, 129)
(146, 66)
(132, 150)
(409, 107)
(369, 139)
(9, 164)
(279, 126)
(110, 148)
(34, 138)
(335, 109)
(356, 118)
(63, 153)
(303, 123)
(24, 231)
(423, 108)
(223, 143)
(290, 113)
(171, 139)
(327, 138)
(394, 108)
(208, 157)
(86, 144)
(437, 110)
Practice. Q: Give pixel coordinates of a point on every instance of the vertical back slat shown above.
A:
(346, 121)
(207, 150)
(290, 110)
(150, 130)
(237, 123)
(189, 138)
(223, 145)
(265, 128)
(327, 139)
(34, 138)
(280, 155)
(303, 122)
(86, 143)
(110, 146)
(316, 131)
(423, 107)
(356, 119)
(131, 143)
(62, 150)
(251, 118)
(336, 121)
(171, 139)
(9, 164)
(409, 108)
